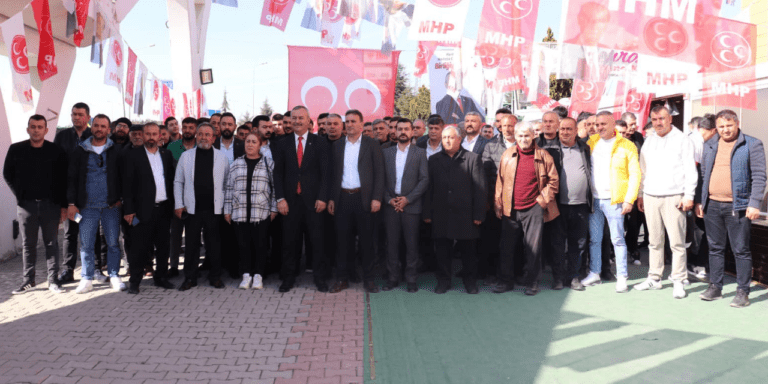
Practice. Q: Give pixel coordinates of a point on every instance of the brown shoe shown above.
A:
(340, 286)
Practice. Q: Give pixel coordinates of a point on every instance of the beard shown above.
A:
(188, 137)
(227, 134)
(404, 139)
(205, 146)
(150, 143)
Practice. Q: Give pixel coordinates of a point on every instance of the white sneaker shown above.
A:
(686, 282)
(246, 281)
(99, 276)
(84, 286)
(591, 279)
(678, 290)
(257, 282)
(621, 284)
(648, 284)
(117, 284)
(55, 288)
(637, 262)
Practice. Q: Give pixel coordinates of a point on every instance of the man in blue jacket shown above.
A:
(731, 186)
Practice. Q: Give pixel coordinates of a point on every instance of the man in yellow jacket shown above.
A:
(615, 182)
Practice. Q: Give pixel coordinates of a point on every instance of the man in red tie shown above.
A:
(301, 188)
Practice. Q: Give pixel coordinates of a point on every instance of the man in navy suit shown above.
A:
(473, 141)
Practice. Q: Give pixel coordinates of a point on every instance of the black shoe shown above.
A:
(390, 285)
(133, 290)
(187, 284)
(286, 286)
(322, 286)
(67, 276)
(340, 286)
(26, 287)
(557, 285)
(370, 287)
(442, 287)
(204, 267)
(173, 272)
(471, 287)
(741, 300)
(712, 293)
(217, 284)
(607, 276)
(413, 287)
(576, 285)
(461, 274)
(532, 290)
(502, 287)
(163, 283)
(490, 280)
(354, 278)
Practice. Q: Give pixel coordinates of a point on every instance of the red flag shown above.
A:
(46, 57)
(275, 13)
(168, 107)
(507, 28)
(426, 49)
(348, 79)
(585, 97)
(131, 76)
(545, 103)
(729, 78)
(81, 11)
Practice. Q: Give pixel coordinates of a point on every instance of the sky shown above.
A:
(249, 61)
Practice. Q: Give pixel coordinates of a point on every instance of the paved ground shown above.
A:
(204, 335)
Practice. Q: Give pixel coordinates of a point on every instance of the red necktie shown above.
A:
(458, 101)
(300, 156)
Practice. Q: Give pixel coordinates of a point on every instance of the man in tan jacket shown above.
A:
(525, 199)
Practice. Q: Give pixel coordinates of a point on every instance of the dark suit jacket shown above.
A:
(314, 173)
(238, 149)
(449, 109)
(492, 153)
(370, 166)
(456, 195)
(415, 177)
(139, 183)
(480, 145)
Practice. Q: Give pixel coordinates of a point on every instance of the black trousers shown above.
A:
(252, 243)
(490, 235)
(177, 229)
(298, 215)
(34, 216)
(726, 226)
(147, 236)
(406, 226)
(632, 223)
(468, 250)
(351, 215)
(230, 259)
(698, 252)
(553, 247)
(275, 257)
(208, 222)
(426, 246)
(575, 219)
(524, 226)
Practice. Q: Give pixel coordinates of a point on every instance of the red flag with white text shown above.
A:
(81, 12)
(585, 97)
(275, 13)
(130, 76)
(729, 79)
(507, 28)
(342, 79)
(46, 57)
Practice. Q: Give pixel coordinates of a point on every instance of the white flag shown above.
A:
(438, 20)
(16, 41)
(113, 74)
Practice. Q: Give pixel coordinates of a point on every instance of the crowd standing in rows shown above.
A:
(410, 195)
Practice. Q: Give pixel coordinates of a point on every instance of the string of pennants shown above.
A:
(131, 77)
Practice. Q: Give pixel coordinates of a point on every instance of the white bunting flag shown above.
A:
(438, 20)
(113, 75)
(16, 41)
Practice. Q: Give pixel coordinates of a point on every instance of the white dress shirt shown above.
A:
(156, 163)
(431, 151)
(350, 178)
(469, 145)
(601, 168)
(668, 166)
(229, 152)
(303, 140)
(266, 151)
(400, 157)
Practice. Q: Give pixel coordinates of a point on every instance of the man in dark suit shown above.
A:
(473, 141)
(148, 206)
(490, 234)
(232, 148)
(406, 180)
(455, 204)
(301, 188)
(356, 192)
(453, 109)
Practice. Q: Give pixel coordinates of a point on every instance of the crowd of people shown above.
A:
(409, 196)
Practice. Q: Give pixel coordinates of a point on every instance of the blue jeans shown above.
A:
(604, 210)
(89, 225)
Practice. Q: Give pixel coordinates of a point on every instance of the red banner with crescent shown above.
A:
(130, 76)
(167, 106)
(507, 28)
(343, 79)
(275, 13)
(81, 12)
(585, 97)
(729, 77)
(545, 103)
(46, 57)
(16, 41)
